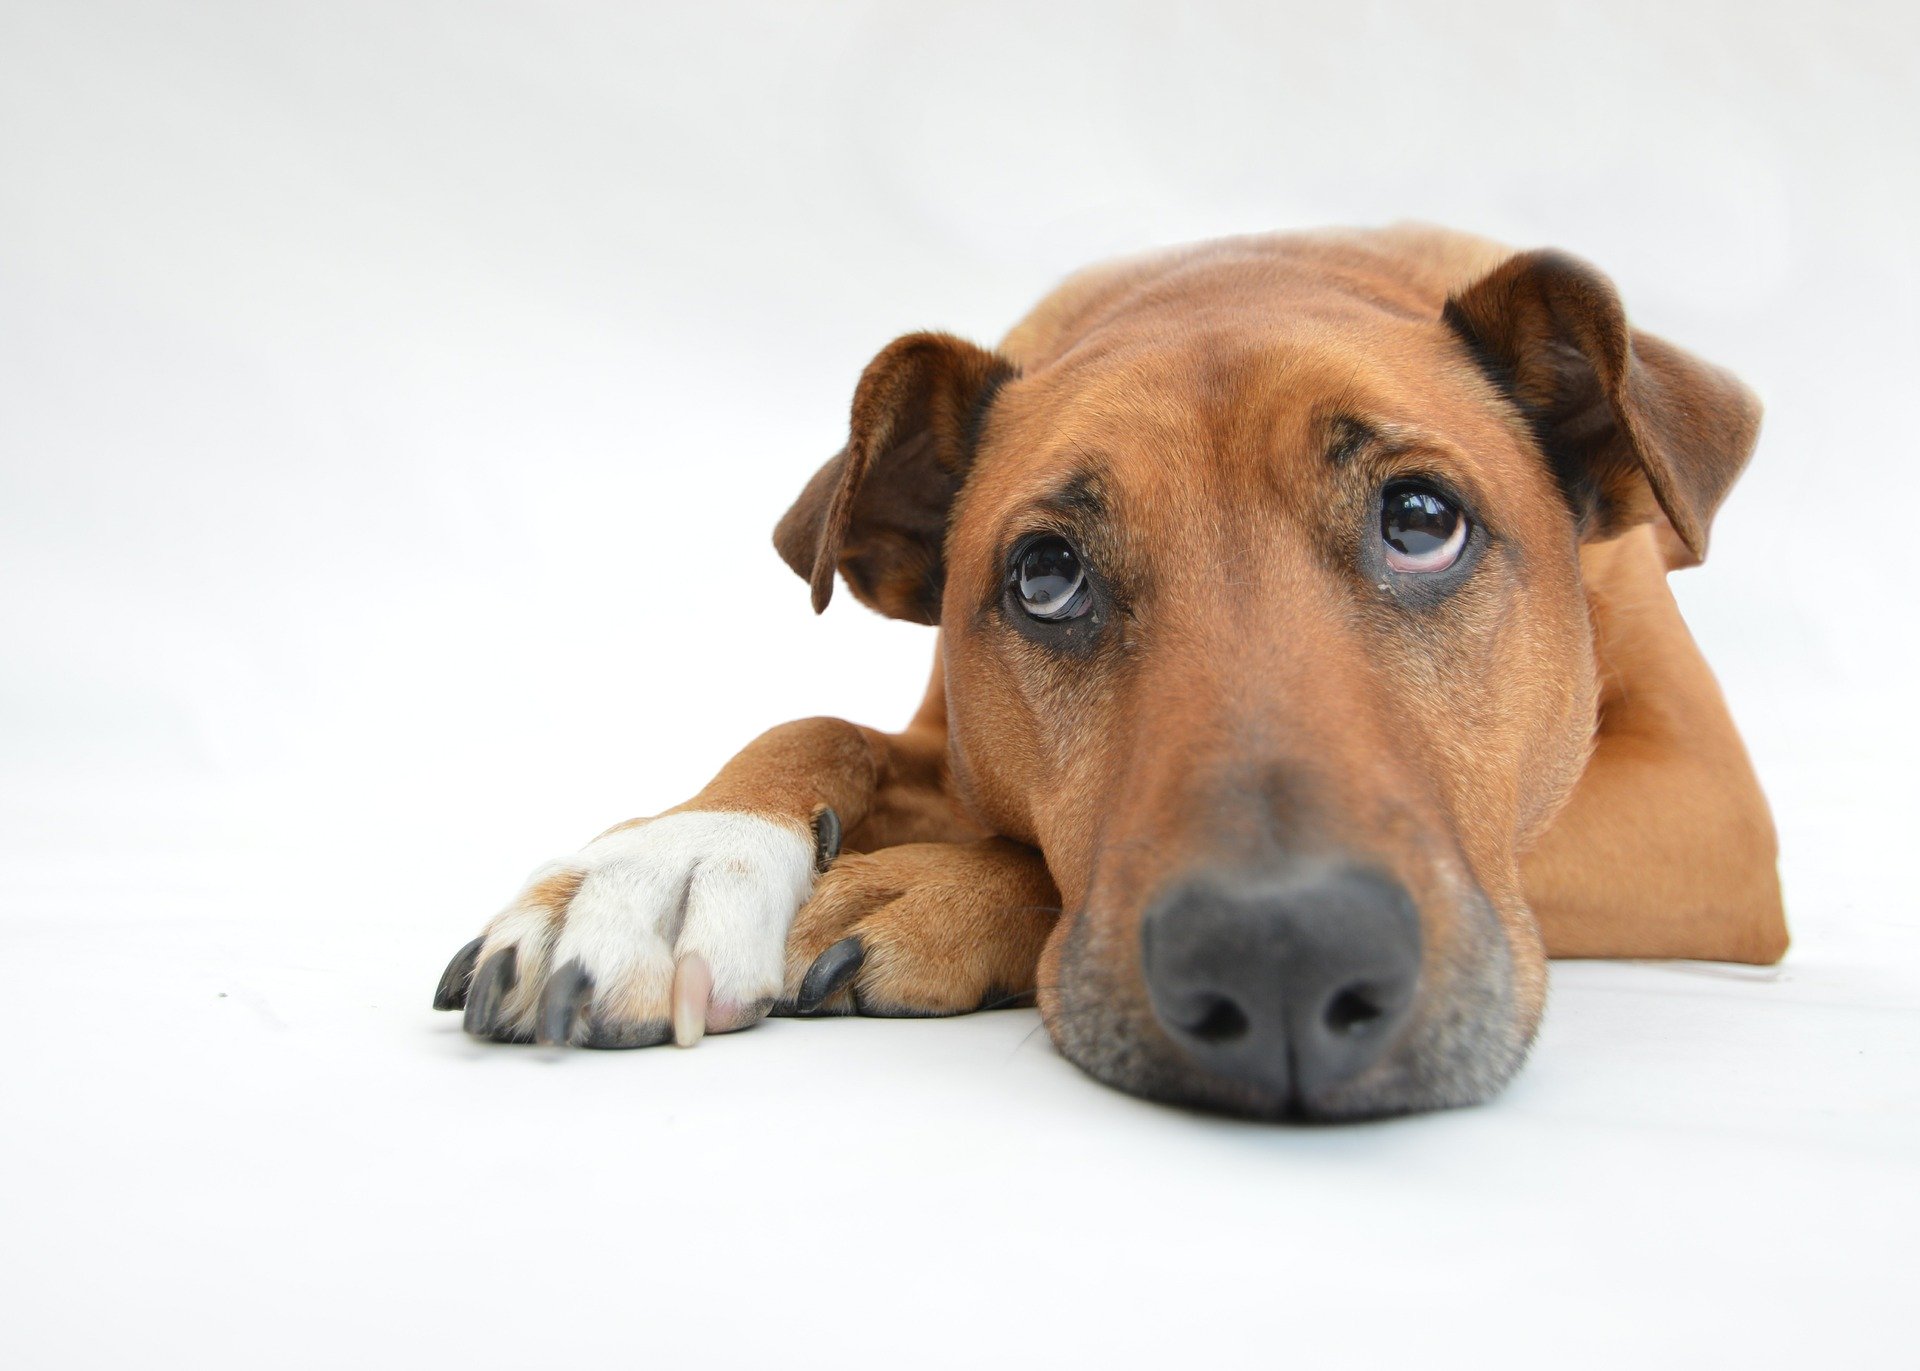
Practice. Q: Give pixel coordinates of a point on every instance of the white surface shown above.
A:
(397, 400)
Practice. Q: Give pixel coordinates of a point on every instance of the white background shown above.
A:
(395, 401)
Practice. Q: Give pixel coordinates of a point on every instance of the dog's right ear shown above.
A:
(877, 513)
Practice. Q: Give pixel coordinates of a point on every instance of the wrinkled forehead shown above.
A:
(1197, 418)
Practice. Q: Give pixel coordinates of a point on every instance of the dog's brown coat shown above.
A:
(1545, 760)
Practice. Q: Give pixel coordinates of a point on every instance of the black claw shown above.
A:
(490, 986)
(826, 838)
(563, 1005)
(451, 993)
(830, 971)
(620, 1036)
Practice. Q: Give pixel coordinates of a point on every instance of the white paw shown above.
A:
(667, 928)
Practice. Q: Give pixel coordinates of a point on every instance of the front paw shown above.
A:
(922, 930)
(663, 928)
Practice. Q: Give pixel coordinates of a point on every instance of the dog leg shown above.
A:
(676, 926)
(922, 930)
(1666, 847)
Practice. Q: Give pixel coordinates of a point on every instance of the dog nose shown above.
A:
(1294, 982)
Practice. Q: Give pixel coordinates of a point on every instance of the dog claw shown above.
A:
(490, 986)
(692, 984)
(563, 1005)
(830, 971)
(451, 993)
(826, 838)
(615, 1037)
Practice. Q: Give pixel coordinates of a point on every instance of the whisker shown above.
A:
(1026, 1038)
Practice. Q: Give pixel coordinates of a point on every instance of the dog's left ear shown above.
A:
(877, 512)
(1633, 426)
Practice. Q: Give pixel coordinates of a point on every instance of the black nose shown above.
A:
(1295, 981)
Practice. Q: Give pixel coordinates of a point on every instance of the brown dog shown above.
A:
(1307, 676)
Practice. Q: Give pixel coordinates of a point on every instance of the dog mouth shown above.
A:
(1232, 1017)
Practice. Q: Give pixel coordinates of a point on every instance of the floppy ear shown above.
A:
(1633, 426)
(878, 511)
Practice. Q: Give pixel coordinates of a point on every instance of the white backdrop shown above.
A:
(395, 402)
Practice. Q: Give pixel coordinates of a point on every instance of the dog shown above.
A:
(1306, 677)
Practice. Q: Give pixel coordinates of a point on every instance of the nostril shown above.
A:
(1353, 1011)
(1222, 1021)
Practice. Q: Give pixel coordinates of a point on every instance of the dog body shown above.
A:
(1307, 676)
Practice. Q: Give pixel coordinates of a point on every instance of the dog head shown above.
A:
(1258, 575)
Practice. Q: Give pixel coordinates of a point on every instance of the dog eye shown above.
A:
(1050, 580)
(1423, 530)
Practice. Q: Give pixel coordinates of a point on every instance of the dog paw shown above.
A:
(922, 930)
(663, 928)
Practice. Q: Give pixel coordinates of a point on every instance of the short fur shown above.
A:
(1541, 756)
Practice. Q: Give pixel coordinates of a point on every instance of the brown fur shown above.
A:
(552, 894)
(947, 927)
(1543, 758)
